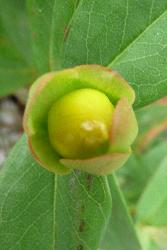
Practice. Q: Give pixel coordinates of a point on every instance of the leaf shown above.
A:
(15, 23)
(120, 233)
(14, 73)
(54, 17)
(150, 147)
(152, 206)
(152, 127)
(16, 67)
(147, 119)
(40, 210)
(92, 32)
(143, 63)
(147, 239)
(135, 49)
(138, 171)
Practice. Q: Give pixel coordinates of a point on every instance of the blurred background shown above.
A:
(11, 112)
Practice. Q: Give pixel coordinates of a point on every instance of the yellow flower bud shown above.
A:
(81, 118)
(79, 124)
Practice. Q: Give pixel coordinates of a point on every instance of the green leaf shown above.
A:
(135, 49)
(147, 119)
(131, 175)
(143, 62)
(40, 210)
(147, 239)
(152, 206)
(14, 73)
(15, 23)
(151, 127)
(120, 233)
(16, 67)
(150, 146)
(54, 17)
(89, 32)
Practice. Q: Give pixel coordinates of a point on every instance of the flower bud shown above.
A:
(79, 124)
(81, 118)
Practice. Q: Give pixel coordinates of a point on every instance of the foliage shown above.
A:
(40, 210)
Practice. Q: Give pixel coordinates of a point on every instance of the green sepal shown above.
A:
(108, 81)
(124, 127)
(45, 155)
(100, 165)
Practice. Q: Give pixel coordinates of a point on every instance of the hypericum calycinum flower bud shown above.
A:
(81, 118)
(79, 124)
